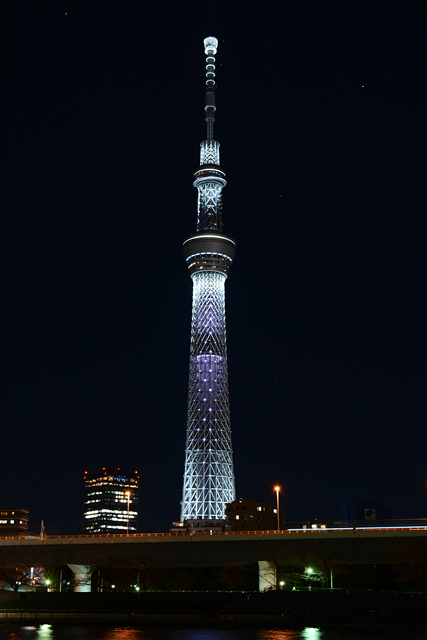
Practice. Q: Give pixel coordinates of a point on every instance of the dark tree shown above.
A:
(15, 575)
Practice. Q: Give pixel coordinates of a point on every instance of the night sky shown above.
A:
(321, 120)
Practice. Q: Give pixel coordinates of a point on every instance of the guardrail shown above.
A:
(219, 533)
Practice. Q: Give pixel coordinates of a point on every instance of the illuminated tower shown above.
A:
(208, 476)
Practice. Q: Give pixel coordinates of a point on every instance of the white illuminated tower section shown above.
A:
(209, 475)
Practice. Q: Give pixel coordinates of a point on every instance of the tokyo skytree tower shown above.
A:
(209, 475)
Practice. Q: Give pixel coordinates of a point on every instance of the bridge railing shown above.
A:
(306, 531)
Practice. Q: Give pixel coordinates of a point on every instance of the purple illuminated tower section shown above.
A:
(209, 475)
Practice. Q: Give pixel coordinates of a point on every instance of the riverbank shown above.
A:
(283, 608)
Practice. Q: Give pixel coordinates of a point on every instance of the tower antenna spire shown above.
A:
(211, 47)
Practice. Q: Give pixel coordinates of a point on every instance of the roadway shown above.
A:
(349, 546)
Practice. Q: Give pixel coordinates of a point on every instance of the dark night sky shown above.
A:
(321, 119)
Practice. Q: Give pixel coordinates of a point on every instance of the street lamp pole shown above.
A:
(127, 494)
(277, 490)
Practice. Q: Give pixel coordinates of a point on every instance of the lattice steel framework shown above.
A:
(209, 206)
(208, 479)
(209, 475)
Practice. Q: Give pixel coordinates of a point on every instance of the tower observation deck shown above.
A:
(208, 475)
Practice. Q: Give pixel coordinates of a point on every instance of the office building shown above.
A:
(13, 522)
(253, 515)
(111, 501)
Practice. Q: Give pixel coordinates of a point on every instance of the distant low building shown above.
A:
(366, 514)
(321, 524)
(111, 501)
(198, 526)
(13, 522)
(253, 515)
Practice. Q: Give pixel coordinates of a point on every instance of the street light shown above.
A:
(309, 571)
(277, 490)
(127, 494)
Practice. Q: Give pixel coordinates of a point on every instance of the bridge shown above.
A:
(267, 548)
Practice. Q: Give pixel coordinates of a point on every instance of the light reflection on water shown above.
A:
(127, 633)
(106, 632)
(39, 632)
(311, 633)
(275, 634)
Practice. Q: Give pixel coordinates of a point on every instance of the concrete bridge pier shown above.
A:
(267, 575)
(82, 577)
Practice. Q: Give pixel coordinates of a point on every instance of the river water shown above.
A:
(141, 632)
